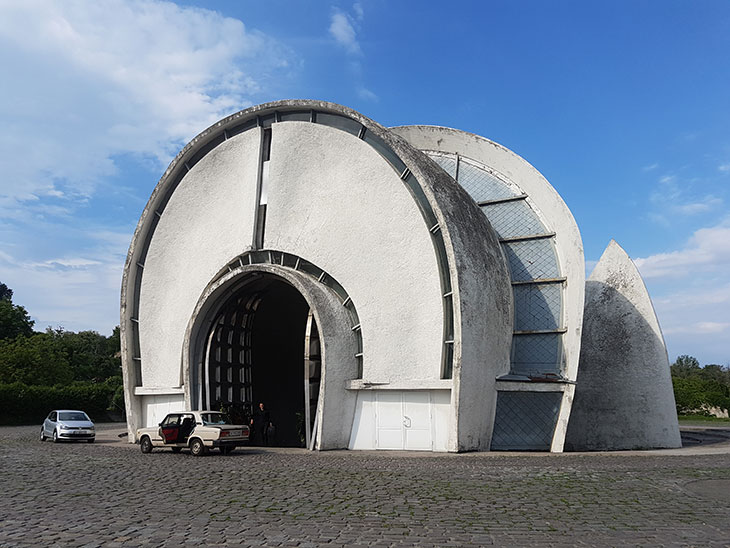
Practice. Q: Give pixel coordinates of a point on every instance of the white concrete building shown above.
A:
(407, 288)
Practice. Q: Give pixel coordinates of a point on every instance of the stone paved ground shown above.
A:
(111, 494)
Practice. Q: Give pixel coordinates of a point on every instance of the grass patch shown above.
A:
(702, 419)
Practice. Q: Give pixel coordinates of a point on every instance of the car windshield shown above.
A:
(215, 418)
(74, 416)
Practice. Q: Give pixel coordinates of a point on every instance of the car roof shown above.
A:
(68, 411)
(192, 412)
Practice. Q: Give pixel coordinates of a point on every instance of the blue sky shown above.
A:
(624, 106)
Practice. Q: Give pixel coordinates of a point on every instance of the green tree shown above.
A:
(6, 294)
(685, 366)
(697, 389)
(34, 360)
(14, 320)
(89, 354)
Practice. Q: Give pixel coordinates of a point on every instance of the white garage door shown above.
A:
(415, 420)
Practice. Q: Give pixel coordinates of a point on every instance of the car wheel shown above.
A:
(197, 448)
(145, 445)
(176, 449)
(226, 450)
(43, 435)
(55, 437)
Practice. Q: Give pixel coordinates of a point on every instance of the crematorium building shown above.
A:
(414, 287)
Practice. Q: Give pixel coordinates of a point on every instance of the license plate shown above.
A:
(235, 433)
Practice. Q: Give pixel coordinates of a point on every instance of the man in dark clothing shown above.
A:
(261, 421)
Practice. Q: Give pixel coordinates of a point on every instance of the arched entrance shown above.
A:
(274, 328)
(263, 347)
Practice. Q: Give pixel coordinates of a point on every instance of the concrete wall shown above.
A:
(545, 200)
(336, 202)
(624, 397)
(156, 407)
(332, 199)
(207, 221)
(482, 302)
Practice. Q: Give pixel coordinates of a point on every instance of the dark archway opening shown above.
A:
(278, 361)
(256, 354)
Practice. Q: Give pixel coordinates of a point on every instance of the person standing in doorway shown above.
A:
(261, 421)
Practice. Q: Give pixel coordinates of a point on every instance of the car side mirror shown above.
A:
(159, 424)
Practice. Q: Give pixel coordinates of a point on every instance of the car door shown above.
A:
(49, 425)
(170, 429)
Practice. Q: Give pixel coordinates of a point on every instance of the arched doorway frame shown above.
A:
(340, 353)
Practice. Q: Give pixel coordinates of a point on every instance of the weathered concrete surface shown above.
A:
(112, 495)
(333, 200)
(483, 304)
(207, 221)
(624, 397)
(545, 201)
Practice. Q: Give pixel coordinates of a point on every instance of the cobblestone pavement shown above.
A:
(110, 494)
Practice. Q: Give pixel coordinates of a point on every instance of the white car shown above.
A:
(197, 430)
(67, 424)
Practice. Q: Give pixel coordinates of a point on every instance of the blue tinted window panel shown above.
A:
(536, 354)
(259, 257)
(448, 361)
(385, 151)
(447, 163)
(538, 306)
(295, 116)
(423, 204)
(482, 185)
(340, 122)
(525, 421)
(240, 128)
(531, 259)
(511, 219)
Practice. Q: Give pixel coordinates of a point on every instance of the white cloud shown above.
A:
(358, 11)
(676, 197)
(366, 94)
(706, 204)
(76, 292)
(87, 81)
(708, 250)
(650, 167)
(342, 30)
(724, 167)
(694, 320)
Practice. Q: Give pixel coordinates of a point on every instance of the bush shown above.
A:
(23, 404)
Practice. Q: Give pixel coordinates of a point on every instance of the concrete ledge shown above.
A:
(531, 386)
(419, 384)
(158, 391)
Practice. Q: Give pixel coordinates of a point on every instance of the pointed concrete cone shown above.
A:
(624, 397)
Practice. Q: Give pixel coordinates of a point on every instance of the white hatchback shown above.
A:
(69, 425)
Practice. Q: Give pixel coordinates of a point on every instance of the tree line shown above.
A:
(55, 368)
(697, 389)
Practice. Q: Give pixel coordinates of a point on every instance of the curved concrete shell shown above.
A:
(288, 208)
(624, 397)
(408, 288)
(543, 246)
